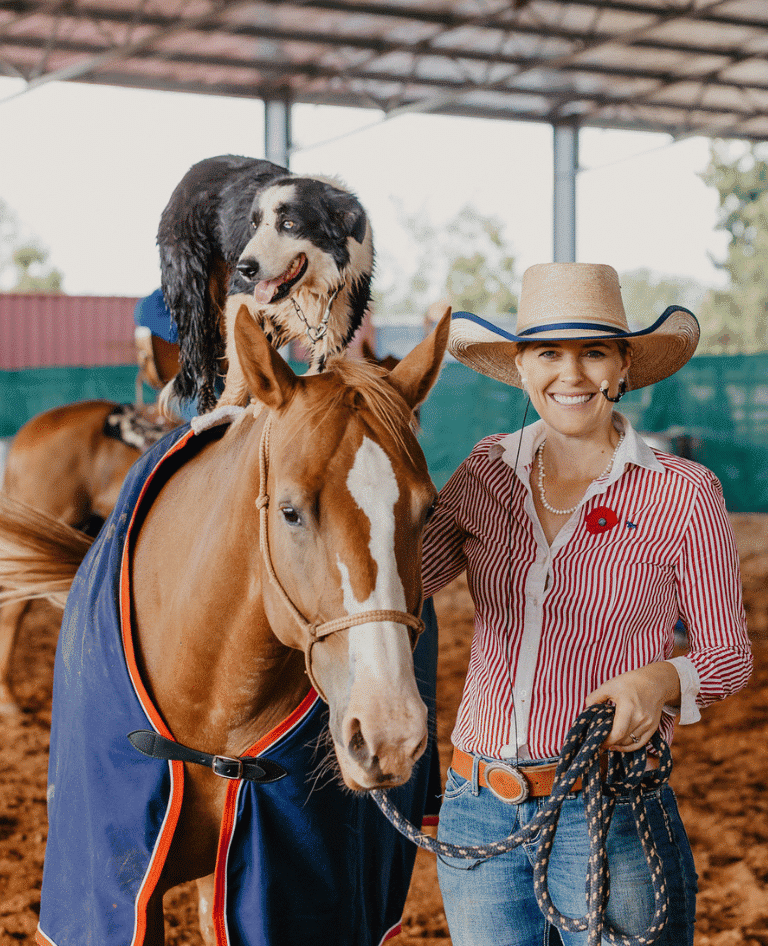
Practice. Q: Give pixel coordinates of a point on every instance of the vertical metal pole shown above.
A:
(277, 131)
(566, 163)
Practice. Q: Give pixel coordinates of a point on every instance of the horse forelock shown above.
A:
(364, 386)
(347, 390)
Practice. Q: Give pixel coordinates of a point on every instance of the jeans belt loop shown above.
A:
(475, 775)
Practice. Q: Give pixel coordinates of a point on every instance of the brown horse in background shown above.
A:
(63, 463)
(328, 472)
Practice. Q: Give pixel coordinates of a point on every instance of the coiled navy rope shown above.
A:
(579, 758)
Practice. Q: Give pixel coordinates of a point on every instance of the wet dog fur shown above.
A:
(292, 249)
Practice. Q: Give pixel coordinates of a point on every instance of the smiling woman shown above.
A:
(564, 381)
(583, 547)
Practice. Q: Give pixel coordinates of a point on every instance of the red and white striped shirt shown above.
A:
(648, 543)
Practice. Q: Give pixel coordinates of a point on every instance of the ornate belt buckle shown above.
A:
(506, 773)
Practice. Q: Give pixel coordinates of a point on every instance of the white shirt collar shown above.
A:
(633, 449)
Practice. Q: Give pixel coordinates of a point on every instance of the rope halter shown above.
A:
(316, 630)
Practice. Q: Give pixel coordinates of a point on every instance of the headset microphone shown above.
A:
(621, 392)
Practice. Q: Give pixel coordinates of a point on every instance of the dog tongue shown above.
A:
(263, 291)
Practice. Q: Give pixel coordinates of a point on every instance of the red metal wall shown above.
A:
(42, 330)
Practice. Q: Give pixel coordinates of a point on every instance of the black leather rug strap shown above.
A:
(253, 769)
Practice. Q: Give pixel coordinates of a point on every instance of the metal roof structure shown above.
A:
(679, 66)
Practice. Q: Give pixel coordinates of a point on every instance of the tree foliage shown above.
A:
(33, 274)
(468, 261)
(24, 265)
(647, 294)
(736, 319)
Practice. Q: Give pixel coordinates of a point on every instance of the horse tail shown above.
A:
(39, 555)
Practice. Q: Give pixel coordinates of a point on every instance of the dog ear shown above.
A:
(418, 371)
(347, 212)
(268, 377)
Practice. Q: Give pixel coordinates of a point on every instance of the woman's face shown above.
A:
(563, 381)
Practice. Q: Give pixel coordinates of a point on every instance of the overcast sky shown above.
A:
(88, 170)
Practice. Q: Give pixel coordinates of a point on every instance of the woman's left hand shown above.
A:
(639, 697)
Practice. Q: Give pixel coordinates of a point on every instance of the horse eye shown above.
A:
(290, 515)
(431, 509)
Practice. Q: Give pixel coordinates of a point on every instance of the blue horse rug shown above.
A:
(298, 863)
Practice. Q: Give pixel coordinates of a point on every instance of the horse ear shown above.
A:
(418, 371)
(268, 377)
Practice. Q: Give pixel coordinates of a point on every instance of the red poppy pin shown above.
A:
(601, 519)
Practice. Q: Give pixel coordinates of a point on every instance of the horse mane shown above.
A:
(371, 390)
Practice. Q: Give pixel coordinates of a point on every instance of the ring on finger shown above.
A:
(634, 738)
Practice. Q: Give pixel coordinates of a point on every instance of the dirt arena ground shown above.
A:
(721, 770)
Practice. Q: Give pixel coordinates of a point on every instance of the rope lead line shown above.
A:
(579, 758)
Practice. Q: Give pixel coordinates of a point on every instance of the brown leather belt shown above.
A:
(510, 783)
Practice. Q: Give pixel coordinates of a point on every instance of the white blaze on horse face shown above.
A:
(373, 485)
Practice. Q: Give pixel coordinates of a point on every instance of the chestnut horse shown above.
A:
(284, 553)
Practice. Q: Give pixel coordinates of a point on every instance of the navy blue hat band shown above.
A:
(568, 326)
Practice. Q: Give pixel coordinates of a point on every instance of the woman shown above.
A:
(583, 547)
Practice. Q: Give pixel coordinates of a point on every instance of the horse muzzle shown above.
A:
(377, 745)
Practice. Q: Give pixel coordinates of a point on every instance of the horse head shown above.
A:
(345, 494)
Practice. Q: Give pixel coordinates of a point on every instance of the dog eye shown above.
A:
(288, 224)
(290, 515)
(253, 224)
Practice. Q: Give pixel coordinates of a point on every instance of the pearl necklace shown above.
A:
(542, 474)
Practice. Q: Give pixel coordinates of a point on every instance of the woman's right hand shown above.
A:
(639, 697)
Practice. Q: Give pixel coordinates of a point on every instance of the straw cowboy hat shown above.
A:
(561, 301)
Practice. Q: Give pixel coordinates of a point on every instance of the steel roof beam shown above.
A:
(315, 71)
(680, 129)
(78, 69)
(376, 45)
(556, 62)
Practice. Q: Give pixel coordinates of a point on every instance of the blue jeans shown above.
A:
(491, 902)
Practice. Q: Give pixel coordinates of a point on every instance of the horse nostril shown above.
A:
(248, 268)
(356, 745)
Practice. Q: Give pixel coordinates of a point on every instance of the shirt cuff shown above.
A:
(690, 685)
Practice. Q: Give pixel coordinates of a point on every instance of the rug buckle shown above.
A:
(226, 767)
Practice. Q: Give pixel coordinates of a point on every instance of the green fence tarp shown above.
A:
(23, 394)
(714, 410)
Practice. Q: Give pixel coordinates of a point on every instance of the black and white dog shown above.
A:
(297, 251)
